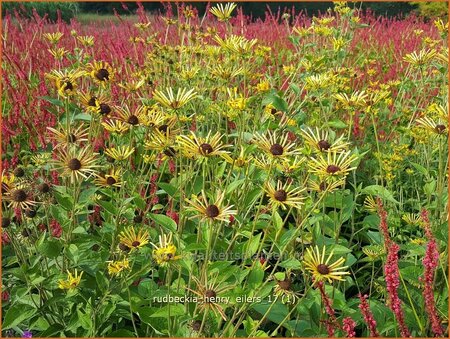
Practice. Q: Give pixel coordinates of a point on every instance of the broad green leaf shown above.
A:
(163, 220)
(17, 314)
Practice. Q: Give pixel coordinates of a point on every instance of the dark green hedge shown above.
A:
(68, 10)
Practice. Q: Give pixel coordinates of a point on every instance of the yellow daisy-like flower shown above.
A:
(117, 267)
(170, 100)
(420, 59)
(208, 293)
(370, 204)
(65, 81)
(198, 147)
(53, 37)
(225, 72)
(101, 72)
(263, 86)
(134, 240)
(283, 196)
(133, 118)
(412, 219)
(334, 166)
(76, 163)
(236, 43)
(116, 126)
(320, 268)
(133, 85)
(430, 125)
(275, 147)
(142, 26)
(110, 179)
(58, 53)
(320, 141)
(355, 100)
(18, 196)
(72, 281)
(65, 137)
(374, 252)
(97, 104)
(153, 116)
(162, 142)
(223, 13)
(87, 40)
(323, 186)
(208, 211)
(164, 252)
(119, 153)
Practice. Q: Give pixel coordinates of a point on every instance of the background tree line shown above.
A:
(256, 9)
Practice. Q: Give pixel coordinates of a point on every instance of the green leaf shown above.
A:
(291, 263)
(379, 191)
(168, 188)
(65, 201)
(50, 248)
(53, 101)
(336, 123)
(276, 101)
(172, 309)
(163, 220)
(83, 117)
(17, 314)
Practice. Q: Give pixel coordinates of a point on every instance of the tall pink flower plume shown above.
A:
(348, 325)
(391, 274)
(368, 316)
(430, 263)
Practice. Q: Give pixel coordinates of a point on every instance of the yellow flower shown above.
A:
(133, 85)
(53, 37)
(211, 211)
(236, 43)
(120, 153)
(374, 252)
(370, 204)
(134, 118)
(274, 146)
(323, 186)
(165, 251)
(320, 268)
(58, 53)
(412, 219)
(223, 13)
(72, 281)
(133, 240)
(169, 100)
(65, 81)
(18, 195)
(334, 166)
(320, 141)
(76, 163)
(429, 124)
(66, 138)
(420, 59)
(116, 267)
(236, 101)
(202, 148)
(283, 196)
(263, 86)
(111, 179)
(356, 99)
(86, 41)
(101, 72)
(115, 126)
(142, 26)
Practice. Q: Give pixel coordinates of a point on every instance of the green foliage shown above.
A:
(432, 9)
(67, 9)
